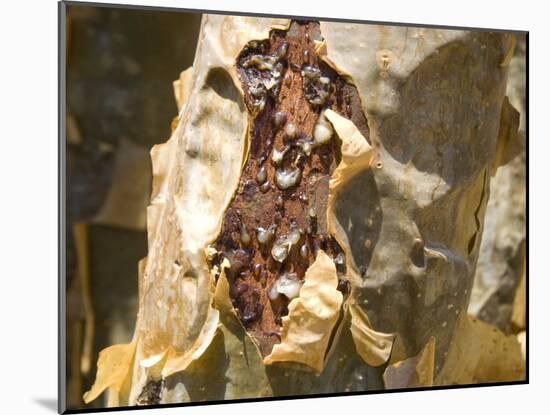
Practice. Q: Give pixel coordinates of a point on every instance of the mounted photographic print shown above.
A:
(274, 206)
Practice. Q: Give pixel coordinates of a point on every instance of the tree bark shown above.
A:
(316, 216)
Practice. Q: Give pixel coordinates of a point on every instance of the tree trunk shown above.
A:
(501, 265)
(316, 216)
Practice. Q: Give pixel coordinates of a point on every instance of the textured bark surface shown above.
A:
(501, 264)
(119, 104)
(411, 131)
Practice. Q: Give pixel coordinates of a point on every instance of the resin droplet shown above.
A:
(265, 235)
(282, 50)
(283, 244)
(265, 187)
(261, 175)
(280, 249)
(306, 146)
(290, 130)
(279, 119)
(287, 178)
(316, 87)
(323, 131)
(245, 237)
(277, 156)
(289, 285)
(294, 236)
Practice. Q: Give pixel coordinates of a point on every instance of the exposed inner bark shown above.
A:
(282, 200)
(151, 393)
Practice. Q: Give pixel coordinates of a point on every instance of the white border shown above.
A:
(28, 302)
